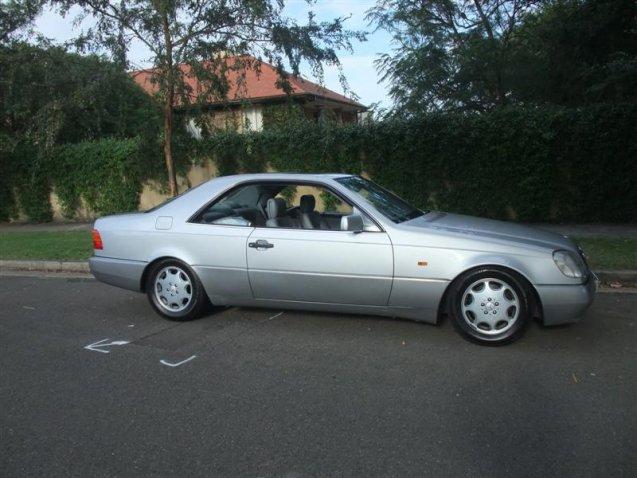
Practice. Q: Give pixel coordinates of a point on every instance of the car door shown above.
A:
(337, 267)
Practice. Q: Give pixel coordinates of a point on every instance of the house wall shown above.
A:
(237, 119)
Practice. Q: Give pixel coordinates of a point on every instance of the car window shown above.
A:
(386, 202)
(325, 201)
(239, 207)
(306, 206)
(281, 205)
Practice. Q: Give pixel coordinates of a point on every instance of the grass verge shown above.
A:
(602, 252)
(58, 245)
(609, 252)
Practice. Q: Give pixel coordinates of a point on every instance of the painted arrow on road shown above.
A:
(99, 346)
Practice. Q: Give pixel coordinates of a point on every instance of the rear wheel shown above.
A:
(490, 306)
(174, 291)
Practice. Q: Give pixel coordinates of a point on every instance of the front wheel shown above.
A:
(174, 291)
(490, 306)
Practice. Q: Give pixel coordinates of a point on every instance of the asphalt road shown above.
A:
(304, 394)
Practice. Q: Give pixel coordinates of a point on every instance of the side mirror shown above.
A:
(352, 223)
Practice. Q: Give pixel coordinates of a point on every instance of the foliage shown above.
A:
(449, 55)
(8, 207)
(106, 175)
(17, 16)
(573, 52)
(49, 97)
(24, 183)
(547, 164)
(189, 40)
(277, 115)
(533, 164)
(479, 55)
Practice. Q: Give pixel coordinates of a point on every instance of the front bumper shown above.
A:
(118, 272)
(565, 304)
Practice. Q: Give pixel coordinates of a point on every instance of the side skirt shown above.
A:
(420, 315)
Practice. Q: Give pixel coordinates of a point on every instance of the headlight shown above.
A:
(568, 264)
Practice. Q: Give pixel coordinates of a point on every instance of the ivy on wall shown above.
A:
(24, 182)
(279, 115)
(105, 176)
(540, 164)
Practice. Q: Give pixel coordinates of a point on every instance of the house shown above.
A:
(252, 94)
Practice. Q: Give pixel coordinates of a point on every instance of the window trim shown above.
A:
(307, 182)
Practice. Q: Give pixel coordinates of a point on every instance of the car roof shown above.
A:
(284, 176)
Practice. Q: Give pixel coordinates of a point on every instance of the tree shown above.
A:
(449, 55)
(15, 16)
(573, 52)
(199, 33)
(49, 96)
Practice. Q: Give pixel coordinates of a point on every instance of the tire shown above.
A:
(490, 306)
(174, 291)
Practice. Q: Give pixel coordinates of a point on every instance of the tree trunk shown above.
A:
(168, 108)
(168, 145)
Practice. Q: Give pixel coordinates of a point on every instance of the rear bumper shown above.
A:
(565, 304)
(118, 272)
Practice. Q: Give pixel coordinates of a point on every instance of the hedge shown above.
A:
(24, 182)
(542, 164)
(106, 176)
(539, 164)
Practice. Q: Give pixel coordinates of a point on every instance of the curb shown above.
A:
(627, 278)
(45, 266)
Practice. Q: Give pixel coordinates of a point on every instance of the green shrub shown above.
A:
(535, 164)
(24, 186)
(106, 174)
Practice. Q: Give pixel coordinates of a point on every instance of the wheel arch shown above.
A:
(536, 305)
(151, 264)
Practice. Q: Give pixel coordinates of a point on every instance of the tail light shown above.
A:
(97, 240)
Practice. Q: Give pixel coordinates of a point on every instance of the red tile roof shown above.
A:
(255, 86)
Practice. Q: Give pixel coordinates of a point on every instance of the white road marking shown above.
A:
(96, 347)
(275, 316)
(178, 363)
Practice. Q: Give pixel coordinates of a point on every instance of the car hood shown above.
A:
(481, 228)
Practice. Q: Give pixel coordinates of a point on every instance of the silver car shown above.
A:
(341, 243)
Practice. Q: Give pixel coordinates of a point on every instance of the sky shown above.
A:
(358, 66)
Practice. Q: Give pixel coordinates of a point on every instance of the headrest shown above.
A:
(275, 207)
(307, 203)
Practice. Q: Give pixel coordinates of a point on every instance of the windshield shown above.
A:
(387, 203)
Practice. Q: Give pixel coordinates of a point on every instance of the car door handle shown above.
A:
(261, 244)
